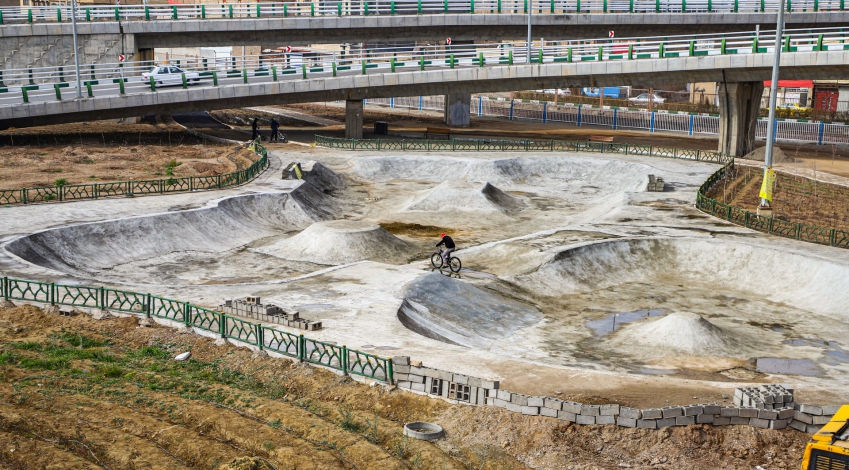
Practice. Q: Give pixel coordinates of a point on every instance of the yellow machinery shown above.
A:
(829, 448)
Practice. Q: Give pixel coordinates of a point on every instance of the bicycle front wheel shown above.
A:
(436, 260)
(455, 264)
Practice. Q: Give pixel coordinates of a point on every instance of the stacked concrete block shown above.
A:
(656, 184)
(455, 387)
(252, 307)
(811, 418)
(764, 397)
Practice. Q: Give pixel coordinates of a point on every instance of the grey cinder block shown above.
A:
(419, 379)
(605, 419)
(585, 419)
(427, 384)
(693, 410)
(490, 401)
(626, 422)
(652, 413)
(685, 420)
(530, 410)
(553, 403)
(402, 377)
(418, 387)
(572, 407)
(536, 401)
(461, 379)
(729, 411)
(567, 416)
(721, 421)
(665, 422)
(798, 425)
(608, 410)
(590, 410)
(491, 384)
(672, 411)
(821, 419)
(514, 407)
(759, 423)
(813, 429)
(810, 409)
(778, 424)
(473, 395)
(767, 414)
(740, 421)
(747, 412)
(830, 409)
(629, 413)
(499, 402)
(647, 423)
(475, 382)
(785, 413)
(712, 409)
(704, 419)
(805, 418)
(550, 412)
(519, 399)
(504, 395)
(404, 384)
(417, 370)
(481, 395)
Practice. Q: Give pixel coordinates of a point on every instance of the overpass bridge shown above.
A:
(740, 63)
(41, 36)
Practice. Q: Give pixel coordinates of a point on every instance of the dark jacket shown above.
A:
(274, 125)
(447, 241)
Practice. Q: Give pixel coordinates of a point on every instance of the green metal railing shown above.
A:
(255, 334)
(486, 145)
(771, 225)
(76, 192)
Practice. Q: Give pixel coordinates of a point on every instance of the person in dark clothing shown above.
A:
(254, 126)
(274, 126)
(449, 247)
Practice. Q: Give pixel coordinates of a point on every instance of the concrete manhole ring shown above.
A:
(422, 430)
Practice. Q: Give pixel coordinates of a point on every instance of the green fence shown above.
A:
(75, 192)
(266, 338)
(782, 228)
(487, 145)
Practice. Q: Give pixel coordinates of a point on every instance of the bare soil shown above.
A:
(79, 393)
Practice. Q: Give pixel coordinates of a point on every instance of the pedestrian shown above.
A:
(255, 130)
(274, 127)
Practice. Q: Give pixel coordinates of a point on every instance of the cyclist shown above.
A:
(449, 247)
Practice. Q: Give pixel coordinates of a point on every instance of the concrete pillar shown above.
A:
(457, 109)
(738, 116)
(353, 119)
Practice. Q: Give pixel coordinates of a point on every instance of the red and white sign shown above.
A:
(448, 41)
(610, 34)
(121, 58)
(288, 48)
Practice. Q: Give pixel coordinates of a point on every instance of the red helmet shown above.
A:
(441, 235)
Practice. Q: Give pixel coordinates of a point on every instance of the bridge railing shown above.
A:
(33, 14)
(332, 62)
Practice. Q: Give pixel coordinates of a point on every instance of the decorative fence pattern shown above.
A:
(75, 192)
(255, 334)
(466, 145)
(821, 133)
(771, 225)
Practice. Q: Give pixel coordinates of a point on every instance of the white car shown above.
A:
(644, 98)
(165, 75)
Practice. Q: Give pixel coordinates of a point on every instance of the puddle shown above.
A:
(648, 371)
(608, 324)
(777, 365)
(313, 306)
(833, 354)
(367, 346)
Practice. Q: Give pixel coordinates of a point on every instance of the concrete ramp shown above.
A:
(456, 312)
(454, 196)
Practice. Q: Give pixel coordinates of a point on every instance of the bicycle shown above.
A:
(454, 263)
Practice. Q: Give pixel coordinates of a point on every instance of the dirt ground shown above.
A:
(106, 151)
(79, 393)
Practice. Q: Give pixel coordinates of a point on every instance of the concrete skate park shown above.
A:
(575, 278)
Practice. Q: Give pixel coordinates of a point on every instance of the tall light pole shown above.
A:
(773, 94)
(76, 49)
(530, 9)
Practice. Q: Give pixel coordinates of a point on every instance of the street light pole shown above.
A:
(76, 49)
(530, 9)
(773, 94)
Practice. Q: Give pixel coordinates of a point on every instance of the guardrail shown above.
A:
(770, 225)
(488, 145)
(821, 133)
(401, 7)
(47, 83)
(75, 192)
(349, 361)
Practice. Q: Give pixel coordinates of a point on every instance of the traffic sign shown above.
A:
(288, 48)
(448, 41)
(121, 58)
(610, 34)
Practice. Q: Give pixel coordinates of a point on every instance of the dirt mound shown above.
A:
(456, 312)
(759, 154)
(683, 332)
(341, 242)
(465, 197)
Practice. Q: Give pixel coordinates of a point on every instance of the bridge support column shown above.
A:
(738, 116)
(457, 109)
(353, 119)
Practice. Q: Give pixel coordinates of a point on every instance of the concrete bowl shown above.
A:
(422, 430)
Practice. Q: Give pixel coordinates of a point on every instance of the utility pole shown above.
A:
(530, 9)
(76, 48)
(773, 95)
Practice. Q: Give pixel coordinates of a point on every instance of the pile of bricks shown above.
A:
(456, 388)
(767, 407)
(251, 307)
(656, 184)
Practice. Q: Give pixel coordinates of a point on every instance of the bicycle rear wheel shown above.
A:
(436, 260)
(455, 264)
